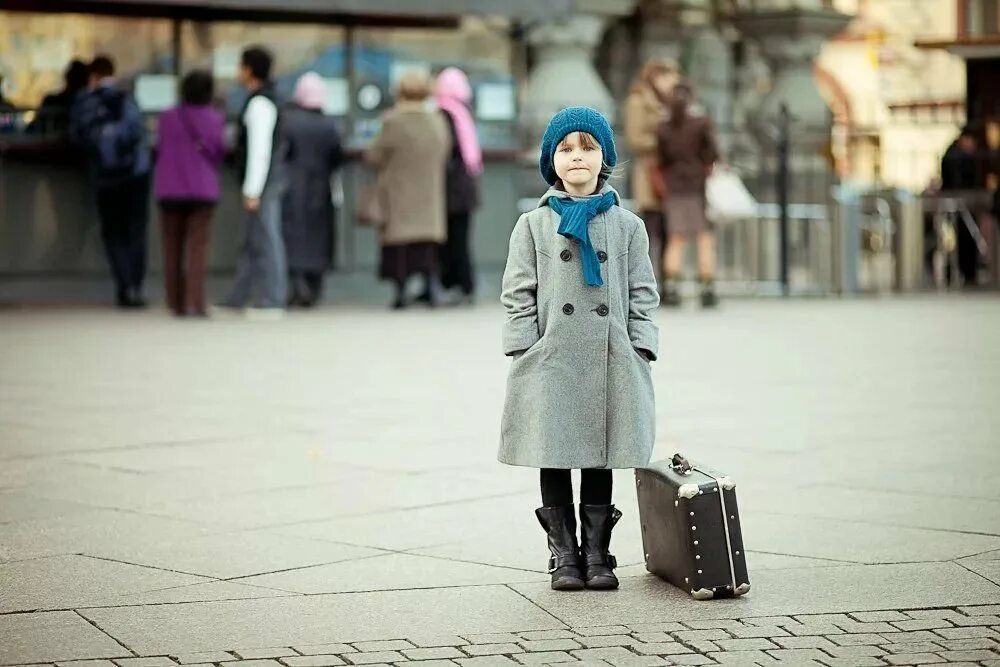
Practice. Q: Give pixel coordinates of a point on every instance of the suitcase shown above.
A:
(691, 533)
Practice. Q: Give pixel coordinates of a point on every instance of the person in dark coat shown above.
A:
(688, 152)
(462, 195)
(960, 172)
(53, 114)
(310, 149)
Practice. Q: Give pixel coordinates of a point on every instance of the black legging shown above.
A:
(557, 487)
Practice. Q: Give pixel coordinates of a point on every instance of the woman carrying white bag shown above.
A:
(688, 154)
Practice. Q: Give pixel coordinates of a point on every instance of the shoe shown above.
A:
(564, 565)
(130, 299)
(225, 309)
(265, 314)
(708, 297)
(596, 524)
(671, 298)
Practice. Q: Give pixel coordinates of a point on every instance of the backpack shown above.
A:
(117, 137)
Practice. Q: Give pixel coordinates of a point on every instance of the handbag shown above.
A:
(370, 211)
(727, 198)
(657, 181)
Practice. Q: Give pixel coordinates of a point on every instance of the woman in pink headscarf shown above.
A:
(310, 152)
(454, 96)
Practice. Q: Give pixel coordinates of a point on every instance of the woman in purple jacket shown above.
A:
(189, 150)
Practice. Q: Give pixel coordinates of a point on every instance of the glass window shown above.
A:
(481, 47)
(298, 48)
(983, 17)
(36, 48)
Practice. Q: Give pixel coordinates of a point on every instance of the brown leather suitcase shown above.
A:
(691, 532)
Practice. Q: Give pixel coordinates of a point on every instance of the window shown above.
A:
(982, 18)
(36, 48)
(297, 48)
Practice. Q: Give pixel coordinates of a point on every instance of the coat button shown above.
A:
(603, 310)
(568, 309)
(602, 256)
(565, 255)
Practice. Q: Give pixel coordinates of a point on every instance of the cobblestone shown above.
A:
(760, 641)
(492, 649)
(436, 653)
(313, 661)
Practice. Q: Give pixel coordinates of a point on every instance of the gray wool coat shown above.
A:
(580, 395)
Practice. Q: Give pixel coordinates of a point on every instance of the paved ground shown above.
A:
(326, 485)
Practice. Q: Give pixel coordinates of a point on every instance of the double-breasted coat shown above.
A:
(579, 392)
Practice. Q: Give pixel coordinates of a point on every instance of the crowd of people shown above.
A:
(287, 155)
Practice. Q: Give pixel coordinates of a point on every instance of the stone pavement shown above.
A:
(228, 491)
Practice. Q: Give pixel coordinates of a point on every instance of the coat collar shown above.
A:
(556, 192)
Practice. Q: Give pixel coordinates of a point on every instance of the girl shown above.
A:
(579, 291)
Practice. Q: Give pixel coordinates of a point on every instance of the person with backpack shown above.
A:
(261, 273)
(106, 122)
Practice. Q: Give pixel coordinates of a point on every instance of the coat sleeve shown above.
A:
(520, 291)
(643, 297)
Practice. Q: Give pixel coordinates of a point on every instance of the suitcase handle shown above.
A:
(681, 464)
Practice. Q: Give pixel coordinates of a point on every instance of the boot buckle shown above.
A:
(602, 559)
(557, 562)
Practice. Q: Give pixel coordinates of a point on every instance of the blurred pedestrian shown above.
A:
(261, 273)
(688, 153)
(106, 122)
(462, 193)
(189, 151)
(53, 118)
(310, 151)
(645, 109)
(410, 153)
(962, 170)
(579, 293)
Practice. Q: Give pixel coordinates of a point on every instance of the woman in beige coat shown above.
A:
(645, 109)
(410, 153)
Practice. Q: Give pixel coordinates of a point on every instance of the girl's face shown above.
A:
(578, 162)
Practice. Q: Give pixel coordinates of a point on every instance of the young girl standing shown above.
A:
(579, 292)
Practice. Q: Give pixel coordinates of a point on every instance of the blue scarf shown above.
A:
(575, 215)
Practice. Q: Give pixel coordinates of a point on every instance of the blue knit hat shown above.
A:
(575, 119)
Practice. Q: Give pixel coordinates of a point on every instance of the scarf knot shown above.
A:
(574, 217)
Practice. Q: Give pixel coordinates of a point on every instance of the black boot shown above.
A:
(670, 296)
(708, 296)
(564, 566)
(596, 524)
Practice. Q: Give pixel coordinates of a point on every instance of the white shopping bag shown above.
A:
(727, 198)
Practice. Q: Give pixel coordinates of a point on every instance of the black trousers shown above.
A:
(557, 487)
(456, 254)
(123, 209)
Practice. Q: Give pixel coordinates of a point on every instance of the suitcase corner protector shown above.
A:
(703, 594)
(688, 491)
(742, 589)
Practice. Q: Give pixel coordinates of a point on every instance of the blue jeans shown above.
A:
(261, 266)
